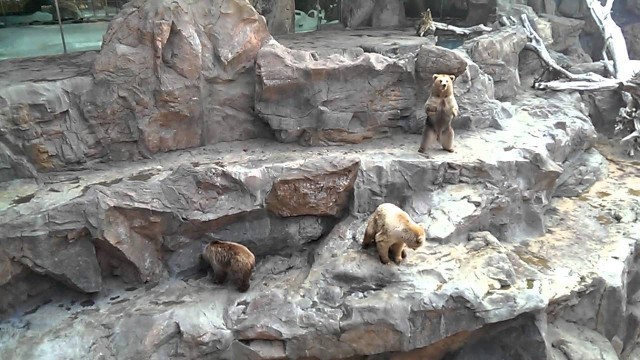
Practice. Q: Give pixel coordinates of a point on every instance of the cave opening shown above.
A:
(441, 10)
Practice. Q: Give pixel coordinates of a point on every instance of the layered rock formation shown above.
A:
(170, 75)
(532, 233)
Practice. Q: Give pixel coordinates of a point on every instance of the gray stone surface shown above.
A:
(604, 107)
(388, 13)
(376, 13)
(559, 296)
(480, 12)
(279, 15)
(581, 171)
(573, 9)
(169, 76)
(323, 101)
(314, 287)
(336, 108)
(353, 43)
(496, 54)
(43, 128)
(532, 235)
(565, 31)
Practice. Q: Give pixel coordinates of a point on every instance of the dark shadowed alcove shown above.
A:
(440, 9)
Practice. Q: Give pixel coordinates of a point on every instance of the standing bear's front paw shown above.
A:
(383, 260)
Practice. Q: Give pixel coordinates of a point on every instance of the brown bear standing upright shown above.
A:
(228, 257)
(390, 228)
(441, 108)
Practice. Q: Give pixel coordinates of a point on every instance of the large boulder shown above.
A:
(171, 75)
(42, 128)
(573, 9)
(565, 31)
(280, 15)
(543, 6)
(497, 54)
(334, 99)
(480, 12)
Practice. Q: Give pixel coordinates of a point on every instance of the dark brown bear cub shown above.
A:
(228, 257)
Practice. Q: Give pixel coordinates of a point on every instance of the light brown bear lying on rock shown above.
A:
(391, 229)
(228, 257)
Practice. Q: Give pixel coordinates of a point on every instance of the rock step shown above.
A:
(566, 290)
(146, 221)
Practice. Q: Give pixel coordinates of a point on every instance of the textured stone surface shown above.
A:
(478, 107)
(496, 54)
(357, 13)
(553, 277)
(171, 76)
(337, 106)
(480, 12)
(543, 6)
(353, 43)
(43, 128)
(565, 31)
(279, 15)
(147, 222)
(581, 171)
(41, 123)
(325, 193)
(566, 289)
(604, 107)
(324, 100)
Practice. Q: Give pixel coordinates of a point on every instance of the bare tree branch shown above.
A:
(537, 45)
(626, 72)
(613, 38)
(461, 31)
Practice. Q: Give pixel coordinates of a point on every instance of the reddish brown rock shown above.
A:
(347, 99)
(325, 193)
(164, 70)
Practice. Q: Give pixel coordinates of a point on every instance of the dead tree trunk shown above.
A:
(625, 72)
(613, 39)
(461, 31)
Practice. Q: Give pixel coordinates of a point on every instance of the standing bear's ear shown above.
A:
(452, 77)
(435, 76)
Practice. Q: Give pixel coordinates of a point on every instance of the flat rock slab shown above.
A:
(388, 42)
(340, 297)
(46, 68)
